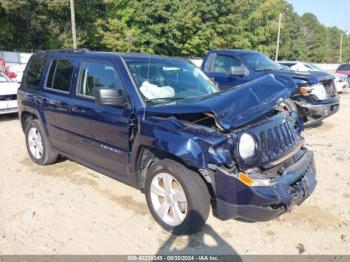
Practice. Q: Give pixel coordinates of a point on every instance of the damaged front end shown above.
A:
(316, 101)
(256, 172)
(279, 175)
(245, 146)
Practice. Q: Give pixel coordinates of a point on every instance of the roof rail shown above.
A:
(66, 50)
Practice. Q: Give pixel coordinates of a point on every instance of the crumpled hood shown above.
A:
(8, 88)
(313, 77)
(233, 107)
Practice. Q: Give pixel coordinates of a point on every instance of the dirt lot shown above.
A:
(66, 208)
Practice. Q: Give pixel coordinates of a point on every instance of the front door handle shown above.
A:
(78, 109)
(55, 102)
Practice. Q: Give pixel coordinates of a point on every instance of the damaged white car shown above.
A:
(8, 95)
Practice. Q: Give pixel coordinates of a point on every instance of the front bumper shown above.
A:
(340, 86)
(314, 111)
(262, 203)
(8, 106)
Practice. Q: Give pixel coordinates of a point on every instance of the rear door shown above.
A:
(61, 77)
(101, 133)
(218, 68)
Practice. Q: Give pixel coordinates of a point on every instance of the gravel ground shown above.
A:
(66, 208)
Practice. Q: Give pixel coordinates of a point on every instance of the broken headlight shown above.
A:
(247, 146)
(317, 90)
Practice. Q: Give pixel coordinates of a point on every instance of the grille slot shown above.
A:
(330, 87)
(8, 97)
(278, 140)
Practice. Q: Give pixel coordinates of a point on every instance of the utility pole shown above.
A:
(278, 36)
(72, 16)
(341, 47)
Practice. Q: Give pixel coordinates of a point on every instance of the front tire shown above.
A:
(177, 197)
(38, 145)
(289, 105)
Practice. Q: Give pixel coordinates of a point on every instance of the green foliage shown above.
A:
(171, 27)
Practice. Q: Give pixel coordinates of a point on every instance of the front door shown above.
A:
(101, 132)
(219, 72)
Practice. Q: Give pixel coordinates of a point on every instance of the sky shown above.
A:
(328, 12)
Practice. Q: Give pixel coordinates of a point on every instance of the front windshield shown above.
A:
(164, 80)
(260, 62)
(4, 78)
(314, 67)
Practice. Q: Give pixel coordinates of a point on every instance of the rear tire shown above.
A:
(38, 145)
(171, 214)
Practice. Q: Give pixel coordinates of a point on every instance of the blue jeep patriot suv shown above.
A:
(160, 125)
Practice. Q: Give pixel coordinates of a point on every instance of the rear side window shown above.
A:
(95, 75)
(35, 69)
(60, 75)
(222, 64)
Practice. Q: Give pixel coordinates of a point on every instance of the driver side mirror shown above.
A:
(238, 71)
(110, 97)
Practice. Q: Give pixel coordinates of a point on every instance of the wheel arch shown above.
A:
(25, 118)
(148, 155)
(27, 113)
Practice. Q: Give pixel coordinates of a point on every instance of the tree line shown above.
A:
(186, 28)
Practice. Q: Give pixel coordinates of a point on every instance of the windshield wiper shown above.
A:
(164, 98)
(265, 69)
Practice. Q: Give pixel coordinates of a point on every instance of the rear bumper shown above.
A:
(314, 111)
(262, 203)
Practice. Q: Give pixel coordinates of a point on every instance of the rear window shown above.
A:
(35, 69)
(60, 75)
(344, 67)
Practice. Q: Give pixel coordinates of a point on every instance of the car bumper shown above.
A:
(314, 111)
(8, 106)
(340, 86)
(262, 203)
